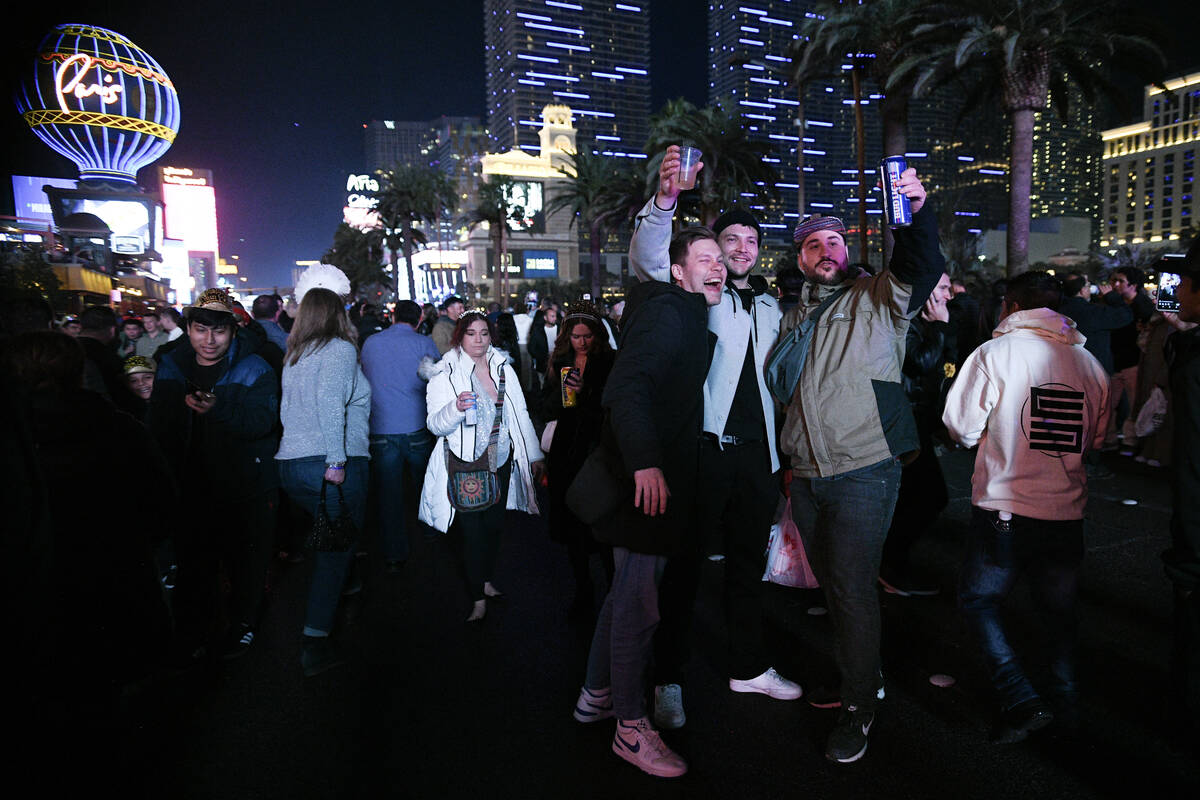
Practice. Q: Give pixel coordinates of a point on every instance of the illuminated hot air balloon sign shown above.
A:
(101, 101)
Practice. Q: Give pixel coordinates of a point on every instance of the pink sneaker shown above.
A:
(640, 745)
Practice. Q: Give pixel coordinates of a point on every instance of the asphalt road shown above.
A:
(428, 707)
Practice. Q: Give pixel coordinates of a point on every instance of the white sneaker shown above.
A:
(770, 683)
(640, 745)
(668, 707)
(593, 705)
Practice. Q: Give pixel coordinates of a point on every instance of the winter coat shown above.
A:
(654, 399)
(447, 379)
(1034, 400)
(849, 410)
(1097, 321)
(735, 328)
(234, 456)
(1183, 559)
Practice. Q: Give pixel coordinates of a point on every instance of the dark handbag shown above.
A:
(473, 485)
(330, 535)
(783, 368)
(599, 489)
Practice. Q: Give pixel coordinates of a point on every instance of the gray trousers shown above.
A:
(624, 637)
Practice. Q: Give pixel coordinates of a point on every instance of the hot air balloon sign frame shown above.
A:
(100, 100)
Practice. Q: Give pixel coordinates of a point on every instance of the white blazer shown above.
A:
(448, 378)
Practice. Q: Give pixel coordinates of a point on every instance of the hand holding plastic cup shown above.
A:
(689, 159)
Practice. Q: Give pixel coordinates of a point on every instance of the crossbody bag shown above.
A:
(473, 485)
(783, 368)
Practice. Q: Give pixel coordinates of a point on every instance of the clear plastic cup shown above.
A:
(689, 157)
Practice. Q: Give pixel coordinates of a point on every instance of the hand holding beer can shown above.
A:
(569, 395)
(896, 206)
(471, 415)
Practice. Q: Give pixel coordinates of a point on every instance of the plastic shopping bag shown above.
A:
(1151, 417)
(787, 563)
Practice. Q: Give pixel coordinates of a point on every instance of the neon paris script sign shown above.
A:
(82, 63)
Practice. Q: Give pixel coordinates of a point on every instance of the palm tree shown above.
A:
(359, 254)
(733, 162)
(598, 193)
(1020, 53)
(409, 195)
(494, 207)
(868, 35)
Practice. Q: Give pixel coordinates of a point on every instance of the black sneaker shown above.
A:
(848, 739)
(243, 637)
(1016, 723)
(826, 697)
(318, 655)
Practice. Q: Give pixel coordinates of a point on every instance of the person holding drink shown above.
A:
(575, 379)
(487, 454)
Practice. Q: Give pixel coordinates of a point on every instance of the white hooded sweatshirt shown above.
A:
(1034, 401)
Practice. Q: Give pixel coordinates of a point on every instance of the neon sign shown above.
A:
(98, 99)
(107, 93)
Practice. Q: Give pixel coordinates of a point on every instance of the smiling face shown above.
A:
(703, 270)
(151, 324)
(581, 339)
(142, 384)
(210, 343)
(739, 247)
(476, 338)
(823, 258)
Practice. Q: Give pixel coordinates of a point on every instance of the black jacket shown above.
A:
(1097, 321)
(1183, 559)
(654, 400)
(928, 348)
(536, 344)
(228, 453)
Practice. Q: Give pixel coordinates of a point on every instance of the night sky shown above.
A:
(274, 103)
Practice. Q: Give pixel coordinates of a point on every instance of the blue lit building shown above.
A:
(593, 55)
(749, 71)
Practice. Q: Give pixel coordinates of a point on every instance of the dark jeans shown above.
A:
(997, 552)
(844, 520)
(395, 458)
(476, 535)
(242, 542)
(302, 478)
(738, 499)
(922, 498)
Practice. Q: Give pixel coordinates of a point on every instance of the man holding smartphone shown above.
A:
(1183, 558)
(215, 412)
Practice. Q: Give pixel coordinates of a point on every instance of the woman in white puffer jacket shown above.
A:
(469, 374)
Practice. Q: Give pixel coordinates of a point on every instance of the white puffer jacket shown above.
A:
(447, 378)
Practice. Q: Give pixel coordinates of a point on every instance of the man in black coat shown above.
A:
(654, 402)
(1183, 559)
(1098, 320)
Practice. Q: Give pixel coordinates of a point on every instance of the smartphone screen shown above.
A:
(1168, 292)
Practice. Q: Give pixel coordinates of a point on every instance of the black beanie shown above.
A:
(736, 216)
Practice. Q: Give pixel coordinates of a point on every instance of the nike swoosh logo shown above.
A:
(633, 748)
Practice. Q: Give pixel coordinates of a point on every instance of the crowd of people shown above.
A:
(652, 434)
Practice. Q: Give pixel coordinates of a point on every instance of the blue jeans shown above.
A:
(393, 456)
(844, 521)
(302, 479)
(997, 552)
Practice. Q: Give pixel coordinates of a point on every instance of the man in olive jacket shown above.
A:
(848, 431)
(654, 403)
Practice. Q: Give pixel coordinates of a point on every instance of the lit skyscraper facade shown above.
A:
(390, 142)
(593, 55)
(749, 72)
(1149, 190)
(1066, 163)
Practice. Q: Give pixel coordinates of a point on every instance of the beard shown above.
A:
(840, 273)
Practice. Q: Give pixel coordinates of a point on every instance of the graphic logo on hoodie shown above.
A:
(1055, 418)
